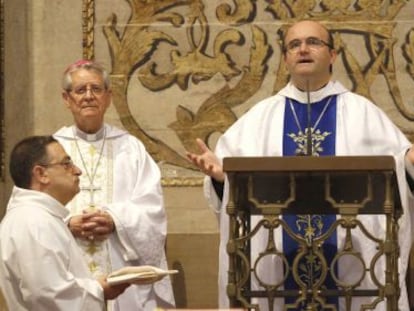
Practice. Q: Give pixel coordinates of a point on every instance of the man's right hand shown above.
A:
(76, 227)
(112, 291)
(97, 225)
(207, 161)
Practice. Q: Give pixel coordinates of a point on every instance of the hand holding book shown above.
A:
(138, 275)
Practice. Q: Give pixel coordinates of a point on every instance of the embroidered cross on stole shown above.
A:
(323, 122)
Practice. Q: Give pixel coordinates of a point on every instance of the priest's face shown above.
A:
(308, 55)
(88, 99)
(61, 175)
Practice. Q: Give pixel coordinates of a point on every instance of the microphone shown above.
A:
(309, 147)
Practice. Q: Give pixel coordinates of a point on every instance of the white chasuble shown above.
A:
(361, 129)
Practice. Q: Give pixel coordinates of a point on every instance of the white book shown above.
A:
(138, 275)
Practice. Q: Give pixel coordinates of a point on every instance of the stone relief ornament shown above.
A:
(88, 22)
(408, 49)
(240, 42)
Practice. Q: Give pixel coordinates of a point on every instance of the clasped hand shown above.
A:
(96, 226)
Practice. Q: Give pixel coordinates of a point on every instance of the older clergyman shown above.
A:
(118, 218)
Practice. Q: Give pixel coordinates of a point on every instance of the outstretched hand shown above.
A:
(207, 161)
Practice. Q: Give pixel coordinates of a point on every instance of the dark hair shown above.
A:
(25, 155)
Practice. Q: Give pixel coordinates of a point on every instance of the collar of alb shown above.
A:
(90, 137)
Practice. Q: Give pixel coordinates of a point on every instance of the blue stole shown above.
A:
(323, 122)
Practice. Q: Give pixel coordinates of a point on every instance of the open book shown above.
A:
(138, 275)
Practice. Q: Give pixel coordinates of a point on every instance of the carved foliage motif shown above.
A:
(203, 54)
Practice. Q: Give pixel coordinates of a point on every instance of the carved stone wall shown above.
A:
(183, 69)
(187, 69)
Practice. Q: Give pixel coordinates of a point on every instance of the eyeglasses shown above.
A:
(96, 90)
(311, 42)
(67, 164)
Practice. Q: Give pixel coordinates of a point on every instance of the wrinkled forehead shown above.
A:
(84, 76)
(306, 29)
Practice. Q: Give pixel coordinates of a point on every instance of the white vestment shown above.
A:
(127, 186)
(361, 129)
(41, 266)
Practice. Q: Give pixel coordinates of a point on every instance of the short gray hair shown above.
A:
(87, 65)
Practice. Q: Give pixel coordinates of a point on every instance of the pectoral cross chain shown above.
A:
(92, 173)
(91, 188)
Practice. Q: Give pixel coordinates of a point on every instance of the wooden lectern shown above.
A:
(264, 189)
